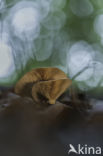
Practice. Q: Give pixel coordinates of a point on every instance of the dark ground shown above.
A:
(30, 129)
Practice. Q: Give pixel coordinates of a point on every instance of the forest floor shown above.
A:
(28, 128)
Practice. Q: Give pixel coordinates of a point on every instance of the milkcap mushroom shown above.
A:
(49, 83)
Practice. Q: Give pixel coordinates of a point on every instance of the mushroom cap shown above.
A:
(24, 85)
(50, 90)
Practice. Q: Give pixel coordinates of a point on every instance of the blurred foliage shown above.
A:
(62, 24)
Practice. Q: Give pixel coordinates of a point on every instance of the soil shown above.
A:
(35, 129)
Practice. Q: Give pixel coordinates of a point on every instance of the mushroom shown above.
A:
(51, 90)
(43, 83)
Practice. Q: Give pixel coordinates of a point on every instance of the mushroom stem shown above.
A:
(52, 101)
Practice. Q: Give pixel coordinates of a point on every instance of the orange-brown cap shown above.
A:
(24, 85)
(50, 90)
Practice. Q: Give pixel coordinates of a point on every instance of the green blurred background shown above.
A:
(67, 34)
